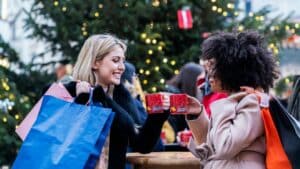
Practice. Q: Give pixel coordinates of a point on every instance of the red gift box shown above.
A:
(178, 103)
(185, 20)
(154, 103)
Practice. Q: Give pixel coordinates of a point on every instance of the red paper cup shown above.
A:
(154, 103)
(178, 103)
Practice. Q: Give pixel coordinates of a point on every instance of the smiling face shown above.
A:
(108, 70)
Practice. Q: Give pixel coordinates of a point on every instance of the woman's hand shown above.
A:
(82, 87)
(166, 100)
(194, 106)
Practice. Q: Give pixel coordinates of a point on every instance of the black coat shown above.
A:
(125, 130)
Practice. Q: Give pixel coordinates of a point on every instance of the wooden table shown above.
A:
(163, 160)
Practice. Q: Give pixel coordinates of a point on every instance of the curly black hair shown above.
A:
(241, 59)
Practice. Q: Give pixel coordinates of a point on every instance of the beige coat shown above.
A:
(233, 138)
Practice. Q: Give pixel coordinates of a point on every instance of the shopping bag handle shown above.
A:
(90, 101)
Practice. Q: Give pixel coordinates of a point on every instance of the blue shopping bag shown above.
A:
(64, 135)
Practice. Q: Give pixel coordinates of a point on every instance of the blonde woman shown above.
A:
(100, 64)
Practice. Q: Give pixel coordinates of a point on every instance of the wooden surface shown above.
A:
(163, 160)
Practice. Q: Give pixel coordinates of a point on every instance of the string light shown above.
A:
(64, 9)
(261, 18)
(155, 3)
(154, 89)
(4, 119)
(236, 13)
(176, 72)
(165, 60)
(148, 61)
(162, 81)
(143, 35)
(96, 14)
(154, 41)
(272, 28)
(150, 52)
(160, 48)
(55, 3)
(251, 14)
(220, 10)
(213, 1)
(141, 71)
(85, 33)
(126, 4)
(148, 41)
(230, 5)
(147, 72)
(156, 68)
(17, 117)
(287, 80)
(214, 8)
(287, 27)
(297, 25)
(100, 6)
(225, 13)
(145, 82)
(241, 28)
(173, 62)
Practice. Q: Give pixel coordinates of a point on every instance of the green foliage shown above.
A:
(167, 47)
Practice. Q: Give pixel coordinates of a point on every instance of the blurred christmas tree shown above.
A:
(16, 98)
(157, 46)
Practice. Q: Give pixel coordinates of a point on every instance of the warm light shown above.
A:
(162, 81)
(287, 80)
(236, 13)
(17, 116)
(213, 1)
(148, 40)
(9, 107)
(145, 82)
(173, 62)
(143, 35)
(150, 52)
(230, 5)
(220, 10)
(141, 71)
(287, 27)
(147, 72)
(277, 27)
(4, 119)
(165, 60)
(4, 62)
(176, 72)
(154, 89)
(225, 13)
(296, 25)
(155, 3)
(154, 41)
(240, 28)
(55, 3)
(96, 14)
(126, 4)
(148, 61)
(160, 48)
(272, 28)
(214, 8)
(156, 68)
(276, 51)
(100, 6)
(271, 45)
(64, 9)
(85, 33)
(251, 14)
(261, 18)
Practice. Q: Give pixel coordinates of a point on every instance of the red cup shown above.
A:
(178, 103)
(154, 103)
(185, 136)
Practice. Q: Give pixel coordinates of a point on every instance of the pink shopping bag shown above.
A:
(57, 90)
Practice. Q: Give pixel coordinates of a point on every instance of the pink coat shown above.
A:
(233, 138)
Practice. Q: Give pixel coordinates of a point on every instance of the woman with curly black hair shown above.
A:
(234, 136)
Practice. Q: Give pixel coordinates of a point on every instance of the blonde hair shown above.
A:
(96, 47)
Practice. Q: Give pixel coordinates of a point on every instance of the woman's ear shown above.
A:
(96, 65)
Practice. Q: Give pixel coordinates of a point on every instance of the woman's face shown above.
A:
(109, 70)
